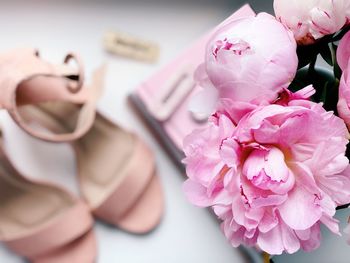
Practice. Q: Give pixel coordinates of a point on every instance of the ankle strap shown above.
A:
(20, 65)
(56, 119)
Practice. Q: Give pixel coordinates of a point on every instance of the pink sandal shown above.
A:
(116, 169)
(43, 222)
(21, 65)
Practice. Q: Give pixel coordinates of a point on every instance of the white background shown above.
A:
(187, 234)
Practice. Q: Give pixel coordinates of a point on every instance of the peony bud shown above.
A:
(312, 19)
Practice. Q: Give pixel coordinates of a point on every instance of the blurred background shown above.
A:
(187, 234)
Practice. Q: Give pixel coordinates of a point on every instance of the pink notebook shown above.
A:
(163, 99)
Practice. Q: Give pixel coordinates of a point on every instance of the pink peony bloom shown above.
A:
(343, 105)
(343, 58)
(312, 19)
(343, 51)
(271, 173)
(237, 57)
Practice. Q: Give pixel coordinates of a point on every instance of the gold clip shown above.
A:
(128, 46)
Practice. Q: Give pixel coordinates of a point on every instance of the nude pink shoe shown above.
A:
(116, 169)
(81, 250)
(43, 222)
(21, 65)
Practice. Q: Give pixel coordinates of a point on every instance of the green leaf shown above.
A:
(324, 92)
(332, 95)
(323, 81)
(340, 34)
(300, 81)
(336, 69)
(306, 54)
(343, 207)
(326, 54)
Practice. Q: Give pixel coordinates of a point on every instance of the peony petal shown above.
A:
(223, 199)
(222, 211)
(314, 241)
(333, 162)
(226, 127)
(239, 210)
(271, 241)
(343, 51)
(305, 177)
(268, 222)
(335, 166)
(267, 170)
(337, 186)
(303, 234)
(328, 205)
(301, 210)
(200, 75)
(196, 193)
(250, 233)
(230, 151)
(276, 167)
(290, 241)
(203, 103)
(271, 200)
(255, 214)
(235, 109)
(344, 96)
(201, 148)
(233, 232)
(254, 164)
(331, 223)
(293, 129)
(324, 22)
(304, 93)
(236, 237)
(267, 133)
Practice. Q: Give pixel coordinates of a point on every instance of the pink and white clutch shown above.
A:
(163, 99)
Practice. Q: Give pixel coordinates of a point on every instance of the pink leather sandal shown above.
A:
(43, 222)
(116, 169)
(21, 65)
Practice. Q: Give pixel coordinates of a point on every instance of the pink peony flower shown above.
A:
(311, 19)
(271, 173)
(245, 62)
(343, 51)
(343, 105)
(343, 58)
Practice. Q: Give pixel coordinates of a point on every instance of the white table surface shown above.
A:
(187, 234)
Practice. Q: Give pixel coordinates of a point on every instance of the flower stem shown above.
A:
(266, 257)
(312, 65)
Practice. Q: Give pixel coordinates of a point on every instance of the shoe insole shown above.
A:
(102, 159)
(102, 153)
(38, 118)
(25, 205)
